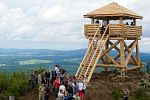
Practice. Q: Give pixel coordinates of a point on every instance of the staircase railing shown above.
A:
(92, 69)
(88, 50)
(98, 46)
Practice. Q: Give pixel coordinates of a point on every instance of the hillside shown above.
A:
(25, 59)
(109, 86)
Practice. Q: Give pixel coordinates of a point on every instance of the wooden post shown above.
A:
(122, 49)
(106, 47)
(120, 20)
(137, 54)
(92, 21)
(134, 21)
(122, 56)
(122, 52)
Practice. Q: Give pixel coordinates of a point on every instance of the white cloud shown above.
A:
(55, 13)
(53, 24)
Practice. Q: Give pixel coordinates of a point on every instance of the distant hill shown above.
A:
(26, 59)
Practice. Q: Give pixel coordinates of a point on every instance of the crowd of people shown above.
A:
(59, 83)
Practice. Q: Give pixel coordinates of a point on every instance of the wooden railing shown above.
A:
(133, 31)
(90, 29)
(115, 30)
(89, 47)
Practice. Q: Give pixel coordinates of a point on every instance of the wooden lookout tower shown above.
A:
(108, 32)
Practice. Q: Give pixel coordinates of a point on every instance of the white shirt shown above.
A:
(63, 88)
(81, 86)
(39, 79)
(60, 95)
(57, 70)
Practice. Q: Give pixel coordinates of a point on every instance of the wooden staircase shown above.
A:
(92, 55)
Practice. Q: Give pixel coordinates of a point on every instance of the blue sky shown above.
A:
(57, 24)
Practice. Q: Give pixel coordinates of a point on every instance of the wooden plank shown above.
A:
(110, 65)
(110, 48)
(128, 50)
(122, 52)
(95, 62)
(137, 54)
(134, 67)
(111, 59)
(81, 67)
(103, 60)
(106, 47)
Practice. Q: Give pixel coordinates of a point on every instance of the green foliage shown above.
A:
(19, 84)
(4, 81)
(13, 84)
(117, 94)
(141, 94)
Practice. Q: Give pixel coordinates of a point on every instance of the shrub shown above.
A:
(117, 94)
(13, 84)
(19, 84)
(4, 81)
(141, 94)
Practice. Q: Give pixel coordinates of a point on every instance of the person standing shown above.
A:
(57, 69)
(47, 92)
(47, 77)
(61, 95)
(81, 90)
(56, 86)
(39, 79)
(53, 76)
(97, 21)
(75, 88)
(63, 88)
(36, 77)
(42, 92)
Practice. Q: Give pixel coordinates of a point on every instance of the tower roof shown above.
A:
(113, 10)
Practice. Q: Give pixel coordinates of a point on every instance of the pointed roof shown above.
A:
(113, 10)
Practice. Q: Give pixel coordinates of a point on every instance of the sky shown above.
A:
(57, 24)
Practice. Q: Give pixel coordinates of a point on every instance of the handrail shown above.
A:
(96, 60)
(87, 51)
(96, 49)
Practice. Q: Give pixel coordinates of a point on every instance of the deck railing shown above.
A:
(115, 30)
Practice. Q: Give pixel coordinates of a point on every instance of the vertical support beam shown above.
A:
(122, 56)
(134, 21)
(122, 52)
(121, 49)
(92, 21)
(137, 53)
(106, 47)
(120, 20)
